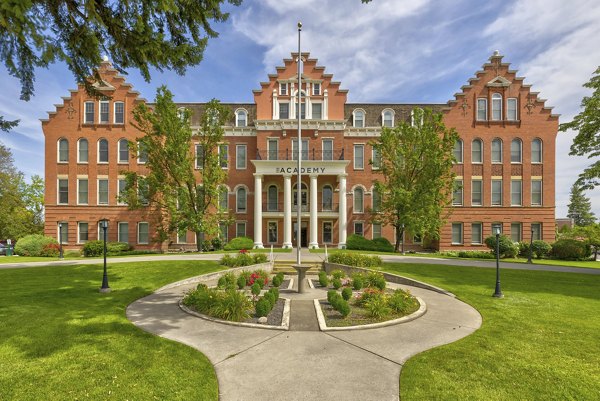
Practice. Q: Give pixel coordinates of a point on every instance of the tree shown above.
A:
(21, 204)
(580, 207)
(587, 140)
(137, 34)
(417, 178)
(590, 234)
(180, 197)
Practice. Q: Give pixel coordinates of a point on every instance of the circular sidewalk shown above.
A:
(259, 364)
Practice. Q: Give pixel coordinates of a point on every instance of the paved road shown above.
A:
(259, 364)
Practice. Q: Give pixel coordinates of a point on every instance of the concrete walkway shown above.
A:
(259, 364)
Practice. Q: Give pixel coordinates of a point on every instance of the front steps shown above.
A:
(285, 266)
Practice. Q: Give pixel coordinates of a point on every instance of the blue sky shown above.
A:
(386, 51)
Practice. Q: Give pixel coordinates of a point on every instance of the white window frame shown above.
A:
(239, 147)
(376, 159)
(462, 153)
(497, 101)
(119, 160)
(541, 151)
(58, 180)
(473, 203)
(323, 228)
(304, 150)
(98, 192)
(497, 140)
(181, 235)
(373, 226)
(115, 113)
(237, 200)
(509, 109)
(289, 111)
(100, 104)
(480, 161)
(482, 101)
(328, 140)
(355, 120)
(79, 202)
(361, 147)
(139, 224)
(270, 152)
(461, 233)
(85, 112)
(392, 115)
(477, 241)
(362, 225)
(355, 198)
(79, 240)
(119, 180)
(239, 224)
(270, 201)
(63, 239)
(312, 104)
(520, 142)
(315, 92)
(541, 192)
(119, 231)
(107, 151)
(87, 152)
(285, 91)
(462, 192)
(238, 113)
(58, 151)
(140, 152)
(224, 201)
(269, 223)
(520, 234)
(492, 193)
(513, 193)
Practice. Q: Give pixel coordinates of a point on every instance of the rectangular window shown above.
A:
(143, 191)
(82, 229)
(316, 88)
(497, 227)
(240, 157)
(481, 109)
(121, 184)
(359, 157)
(284, 111)
(63, 191)
(515, 232)
(104, 112)
(272, 232)
(536, 193)
(476, 193)
(283, 89)
(457, 194)
(304, 149)
(317, 111)
(103, 191)
(516, 198)
(417, 239)
(496, 192)
(142, 154)
(89, 113)
(376, 230)
(272, 149)
(143, 233)
(457, 233)
(536, 231)
(82, 191)
(119, 112)
(182, 237)
(511, 109)
(224, 232)
(199, 156)
(476, 233)
(358, 228)
(327, 149)
(224, 155)
(327, 232)
(123, 232)
(303, 110)
(496, 107)
(496, 151)
(240, 229)
(376, 160)
(63, 232)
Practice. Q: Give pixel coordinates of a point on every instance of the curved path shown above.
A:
(260, 364)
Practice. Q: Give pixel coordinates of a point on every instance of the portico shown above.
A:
(313, 170)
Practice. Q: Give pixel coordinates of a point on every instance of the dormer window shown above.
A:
(316, 88)
(283, 88)
(387, 118)
(89, 113)
(358, 118)
(241, 118)
(511, 109)
(103, 112)
(496, 107)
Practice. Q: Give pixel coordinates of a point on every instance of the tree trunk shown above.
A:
(199, 241)
(397, 246)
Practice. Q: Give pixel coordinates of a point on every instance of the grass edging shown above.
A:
(404, 319)
(285, 320)
(392, 278)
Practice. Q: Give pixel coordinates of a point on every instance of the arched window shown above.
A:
(63, 150)
(497, 150)
(515, 151)
(536, 151)
(359, 200)
(477, 151)
(303, 196)
(241, 200)
(123, 151)
(272, 194)
(82, 150)
(224, 198)
(327, 198)
(359, 118)
(496, 106)
(102, 151)
(376, 199)
(241, 118)
(458, 151)
(387, 118)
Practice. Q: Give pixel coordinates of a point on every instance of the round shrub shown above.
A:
(336, 299)
(116, 248)
(94, 248)
(507, 248)
(217, 243)
(269, 296)
(50, 250)
(337, 283)
(323, 280)
(377, 280)
(343, 307)
(262, 307)
(33, 245)
(383, 245)
(201, 287)
(358, 242)
(276, 281)
(239, 243)
(275, 293)
(339, 274)
(241, 282)
(259, 258)
(357, 282)
(255, 288)
(541, 248)
(227, 280)
(347, 293)
(330, 295)
(570, 249)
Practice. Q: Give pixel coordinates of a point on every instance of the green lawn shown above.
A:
(541, 341)
(60, 339)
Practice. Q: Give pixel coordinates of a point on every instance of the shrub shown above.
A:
(377, 307)
(383, 245)
(570, 249)
(217, 243)
(259, 276)
(239, 243)
(338, 274)
(347, 293)
(255, 289)
(269, 296)
(342, 306)
(276, 281)
(201, 287)
(476, 254)
(507, 248)
(337, 283)
(233, 306)
(262, 307)
(241, 282)
(33, 245)
(93, 248)
(355, 259)
(243, 259)
(367, 295)
(323, 279)
(358, 281)
(227, 280)
(330, 295)
(204, 300)
(259, 258)
(206, 245)
(375, 279)
(275, 293)
(117, 248)
(50, 250)
(541, 248)
(358, 242)
(246, 276)
(401, 301)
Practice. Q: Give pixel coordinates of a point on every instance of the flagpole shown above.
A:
(299, 187)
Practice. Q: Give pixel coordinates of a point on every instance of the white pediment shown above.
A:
(499, 82)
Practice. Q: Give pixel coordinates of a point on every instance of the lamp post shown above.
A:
(498, 292)
(402, 239)
(529, 259)
(60, 248)
(105, 287)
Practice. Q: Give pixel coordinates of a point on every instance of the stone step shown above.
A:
(285, 267)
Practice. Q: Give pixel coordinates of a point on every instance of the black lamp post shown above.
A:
(529, 259)
(60, 248)
(402, 238)
(105, 287)
(498, 292)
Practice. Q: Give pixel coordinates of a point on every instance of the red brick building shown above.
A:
(505, 169)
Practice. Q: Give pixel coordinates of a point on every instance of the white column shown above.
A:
(287, 211)
(342, 223)
(258, 243)
(314, 242)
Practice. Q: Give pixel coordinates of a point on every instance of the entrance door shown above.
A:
(303, 234)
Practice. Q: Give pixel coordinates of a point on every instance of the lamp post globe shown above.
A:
(105, 287)
(498, 292)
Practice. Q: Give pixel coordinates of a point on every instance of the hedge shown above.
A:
(36, 245)
(358, 242)
(239, 243)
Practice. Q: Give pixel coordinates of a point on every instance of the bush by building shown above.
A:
(34, 245)
(358, 242)
(507, 248)
(239, 243)
(355, 259)
(571, 249)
